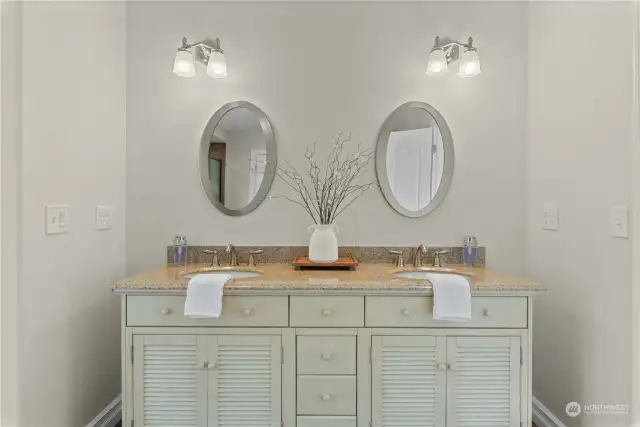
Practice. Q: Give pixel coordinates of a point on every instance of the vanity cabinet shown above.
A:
(206, 380)
(323, 360)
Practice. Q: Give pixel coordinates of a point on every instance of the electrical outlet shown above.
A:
(103, 217)
(620, 221)
(57, 219)
(550, 219)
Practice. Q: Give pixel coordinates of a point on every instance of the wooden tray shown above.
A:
(347, 263)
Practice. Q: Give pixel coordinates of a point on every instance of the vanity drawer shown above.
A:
(236, 311)
(417, 312)
(326, 422)
(327, 355)
(327, 311)
(326, 395)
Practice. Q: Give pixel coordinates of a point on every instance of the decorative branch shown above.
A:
(326, 194)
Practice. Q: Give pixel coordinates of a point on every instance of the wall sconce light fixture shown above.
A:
(449, 50)
(209, 53)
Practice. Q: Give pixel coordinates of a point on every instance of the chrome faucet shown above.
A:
(436, 258)
(234, 255)
(417, 259)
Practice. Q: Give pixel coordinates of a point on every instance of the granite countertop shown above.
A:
(367, 277)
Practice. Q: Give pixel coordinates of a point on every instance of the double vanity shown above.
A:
(326, 349)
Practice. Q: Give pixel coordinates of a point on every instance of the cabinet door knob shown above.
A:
(451, 367)
(211, 365)
(326, 355)
(247, 312)
(487, 312)
(405, 312)
(166, 311)
(326, 312)
(326, 397)
(202, 365)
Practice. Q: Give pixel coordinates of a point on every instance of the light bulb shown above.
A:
(437, 63)
(184, 66)
(469, 64)
(217, 65)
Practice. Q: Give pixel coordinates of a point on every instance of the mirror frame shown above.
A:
(381, 159)
(270, 167)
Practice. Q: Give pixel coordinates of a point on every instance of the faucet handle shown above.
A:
(215, 262)
(436, 258)
(400, 262)
(252, 260)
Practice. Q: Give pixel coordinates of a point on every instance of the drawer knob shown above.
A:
(247, 312)
(326, 312)
(166, 311)
(405, 312)
(326, 355)
(326, 397)
(487, 312)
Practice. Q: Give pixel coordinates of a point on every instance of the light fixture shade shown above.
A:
(217, 65)
(470, 63)
(184, 65)
(437, 63)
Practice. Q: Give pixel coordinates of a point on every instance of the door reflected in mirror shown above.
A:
(239, 147)
(414, 159)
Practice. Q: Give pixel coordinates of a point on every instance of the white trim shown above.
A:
(109, 416)
(543, 417)
(635, 224)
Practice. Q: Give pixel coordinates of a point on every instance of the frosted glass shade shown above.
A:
(184, 65)
(469, 64)
(217, 65)
(437, 63)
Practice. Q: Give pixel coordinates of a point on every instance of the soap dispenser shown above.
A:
(470, 251)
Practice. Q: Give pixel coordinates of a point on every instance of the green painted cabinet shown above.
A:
(445, 381)
(207, 380)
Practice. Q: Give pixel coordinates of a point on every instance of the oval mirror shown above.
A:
(237, 158)
(414, 159)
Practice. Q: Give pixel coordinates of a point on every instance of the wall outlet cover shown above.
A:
(550, 217)
(104, 216)
(620, 221)
(57, 219)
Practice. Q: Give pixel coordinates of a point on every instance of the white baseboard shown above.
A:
(543, 417)
(109, 416)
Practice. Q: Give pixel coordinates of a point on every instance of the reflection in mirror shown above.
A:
(239, 158)
(414, 158)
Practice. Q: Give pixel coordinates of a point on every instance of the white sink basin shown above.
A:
(233, 273)
(423, 275)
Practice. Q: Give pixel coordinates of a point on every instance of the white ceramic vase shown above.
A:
(323, 245)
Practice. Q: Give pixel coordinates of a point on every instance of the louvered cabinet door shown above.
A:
(408, 381)
(245, 381)
(483, 382)
(169, 381)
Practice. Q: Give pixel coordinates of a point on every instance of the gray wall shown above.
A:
(317, 70)
(579, 157)
(72, 152)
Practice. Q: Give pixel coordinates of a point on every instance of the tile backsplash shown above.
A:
(364, 254)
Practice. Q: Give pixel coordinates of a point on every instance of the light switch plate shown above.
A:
(103, 217)
(620, 221)
(550, 217)
(57, 219)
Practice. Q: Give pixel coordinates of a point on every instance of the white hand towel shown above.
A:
(451, 298)
(204, 295)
